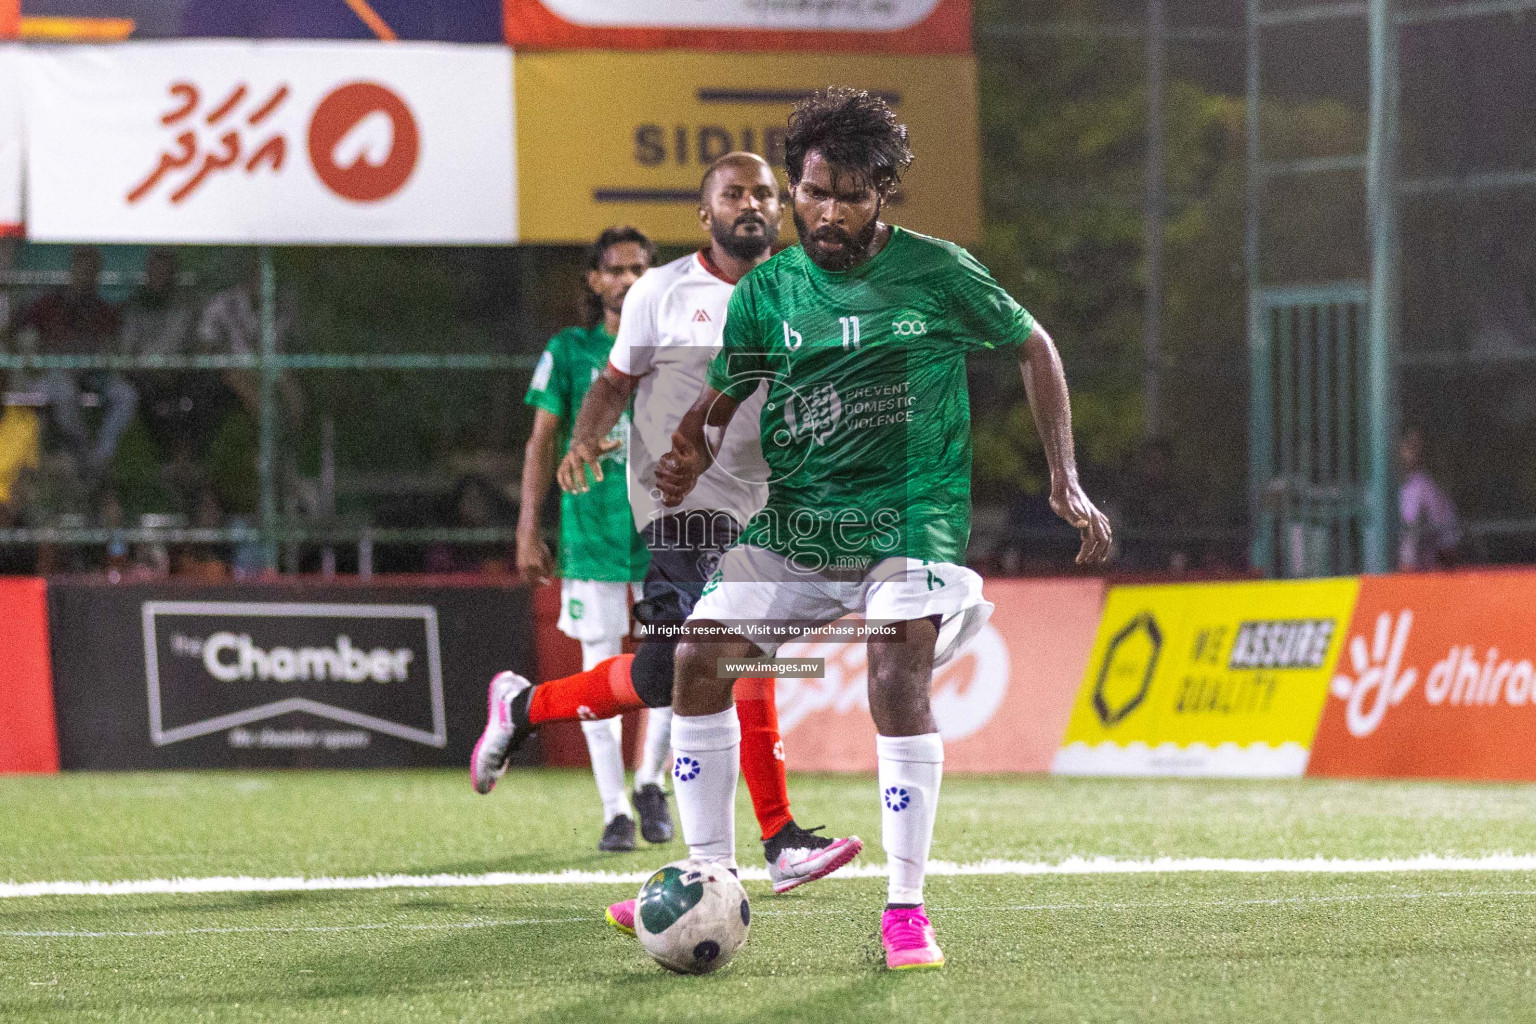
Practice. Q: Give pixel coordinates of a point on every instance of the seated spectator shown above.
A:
(1430, 531)
(207, 562)
(74, 320)
(476, 504)
(231, 325)
(19, 433)
(181, 409)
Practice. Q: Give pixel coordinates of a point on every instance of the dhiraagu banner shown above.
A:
(1220, 679)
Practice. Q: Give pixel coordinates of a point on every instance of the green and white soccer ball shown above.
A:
(692, 916)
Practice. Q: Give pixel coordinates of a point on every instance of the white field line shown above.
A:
(823, 912)
(1070, 866)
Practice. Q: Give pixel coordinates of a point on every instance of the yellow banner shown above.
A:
(607, 138)
(1208, 679)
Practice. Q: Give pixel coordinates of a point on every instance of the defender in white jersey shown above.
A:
(668, 334)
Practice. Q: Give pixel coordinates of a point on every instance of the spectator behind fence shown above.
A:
(231, 324)
(180, 409)
(71, 321)
(476, 504)
(1430, 531)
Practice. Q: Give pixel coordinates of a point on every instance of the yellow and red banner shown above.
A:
(1220, 679)
(839, 26)
(609, 138)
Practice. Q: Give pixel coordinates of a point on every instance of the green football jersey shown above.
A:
(597, 533)
(867, 424)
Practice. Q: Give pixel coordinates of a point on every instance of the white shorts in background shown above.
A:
(596, 609)
(754, 584)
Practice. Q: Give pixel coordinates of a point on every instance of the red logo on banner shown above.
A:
(363, 142)
(1437, 680)
(230, 119)
(1002, 704)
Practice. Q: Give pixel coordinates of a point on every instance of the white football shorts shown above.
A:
(755, 585)
(592, 610)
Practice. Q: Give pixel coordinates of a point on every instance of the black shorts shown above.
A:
(685, 550)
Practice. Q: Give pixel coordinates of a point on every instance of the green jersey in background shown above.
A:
(597, 533)
(867, 424)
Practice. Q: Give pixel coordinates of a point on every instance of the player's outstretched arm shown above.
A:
(1046, 386)
(600, 410)
(679, 469)
(533, 558)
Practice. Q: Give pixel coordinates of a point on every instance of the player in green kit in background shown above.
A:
(601, 554)
(859, 335)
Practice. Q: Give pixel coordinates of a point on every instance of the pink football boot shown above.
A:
(622, 916)
(909, 942)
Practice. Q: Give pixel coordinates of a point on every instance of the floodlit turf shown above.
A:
(1421, 946)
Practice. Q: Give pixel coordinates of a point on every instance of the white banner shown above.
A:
(274, 143)
(10, 139)
(827, 15)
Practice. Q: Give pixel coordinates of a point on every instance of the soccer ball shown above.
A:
(691, 916)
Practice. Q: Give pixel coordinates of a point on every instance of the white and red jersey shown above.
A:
(668, 333)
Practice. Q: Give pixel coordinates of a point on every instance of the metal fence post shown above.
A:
(266, 368)
(1261, 549)
(1152, 343)
(1381, 206)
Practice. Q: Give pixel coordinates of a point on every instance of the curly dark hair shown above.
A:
(851, 128)
(611, 237)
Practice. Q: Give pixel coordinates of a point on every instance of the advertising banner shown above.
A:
(1002, 705)
(280, 143)
(11, 81)
(28, 741)
(608, 138)
(1221, 679)
(831, 26)
(1437, 680)
(456, 21)
(160, 675)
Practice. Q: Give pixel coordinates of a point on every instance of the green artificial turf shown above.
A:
(1410, 946)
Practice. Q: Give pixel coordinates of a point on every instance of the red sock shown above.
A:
(762, 753)
(604, 690)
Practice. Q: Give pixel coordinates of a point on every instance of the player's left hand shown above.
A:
(580, 459)
(534, 562)
(1070, 501)
(679, 470)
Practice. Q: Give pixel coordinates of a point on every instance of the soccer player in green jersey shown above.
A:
(859, 335)
(601, 554)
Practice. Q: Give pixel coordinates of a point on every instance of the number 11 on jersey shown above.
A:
(850, 331)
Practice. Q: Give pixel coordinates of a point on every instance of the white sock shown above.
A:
(911, 768)
(605, 747)
(594, 652)
(605, 739)
(658, 747)
(705, 768)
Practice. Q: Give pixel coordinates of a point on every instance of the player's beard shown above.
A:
(613, 303)
(855, 247)
(744, 247)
